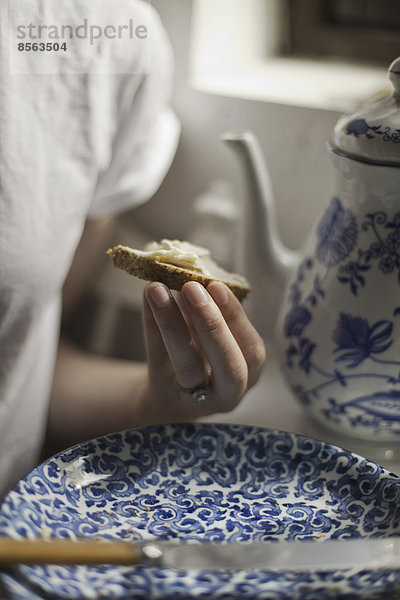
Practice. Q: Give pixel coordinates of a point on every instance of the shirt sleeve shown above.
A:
(146, 136)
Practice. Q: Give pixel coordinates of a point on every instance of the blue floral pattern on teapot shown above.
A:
(357, 341)
(360, 127)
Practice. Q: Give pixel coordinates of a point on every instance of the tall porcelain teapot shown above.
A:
(338, 331)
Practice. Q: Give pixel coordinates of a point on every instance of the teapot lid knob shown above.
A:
(394, 76)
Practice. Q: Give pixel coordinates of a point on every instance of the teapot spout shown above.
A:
(276, 260)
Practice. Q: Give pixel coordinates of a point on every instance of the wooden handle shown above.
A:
(68, 552)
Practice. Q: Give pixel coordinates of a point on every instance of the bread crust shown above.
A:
(172, 276)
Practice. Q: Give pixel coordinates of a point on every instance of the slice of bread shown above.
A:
(151, 267)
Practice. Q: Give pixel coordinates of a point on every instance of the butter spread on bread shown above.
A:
(174, 262)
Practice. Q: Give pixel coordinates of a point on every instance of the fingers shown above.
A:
(202, 333)
(177, 342)
(246, 336)
(229, 368)
(157, 354)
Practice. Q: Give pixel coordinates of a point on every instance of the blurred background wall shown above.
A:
(294, 142)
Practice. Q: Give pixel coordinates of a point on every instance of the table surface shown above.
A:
(271, 404)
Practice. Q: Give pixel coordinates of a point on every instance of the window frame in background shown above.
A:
(314, 30)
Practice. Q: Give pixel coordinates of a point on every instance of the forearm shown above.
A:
(93, 395)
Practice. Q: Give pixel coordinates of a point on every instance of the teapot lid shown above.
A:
(372, 133)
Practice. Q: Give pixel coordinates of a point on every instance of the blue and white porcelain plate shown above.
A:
(202, 482)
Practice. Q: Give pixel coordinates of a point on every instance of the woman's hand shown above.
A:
(194, 338)
(203, 353)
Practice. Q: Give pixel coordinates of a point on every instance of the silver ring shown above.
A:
(199, 393)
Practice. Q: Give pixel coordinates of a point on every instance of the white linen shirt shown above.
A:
(72, 146)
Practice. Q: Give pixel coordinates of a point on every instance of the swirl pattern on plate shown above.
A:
(202, 482)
